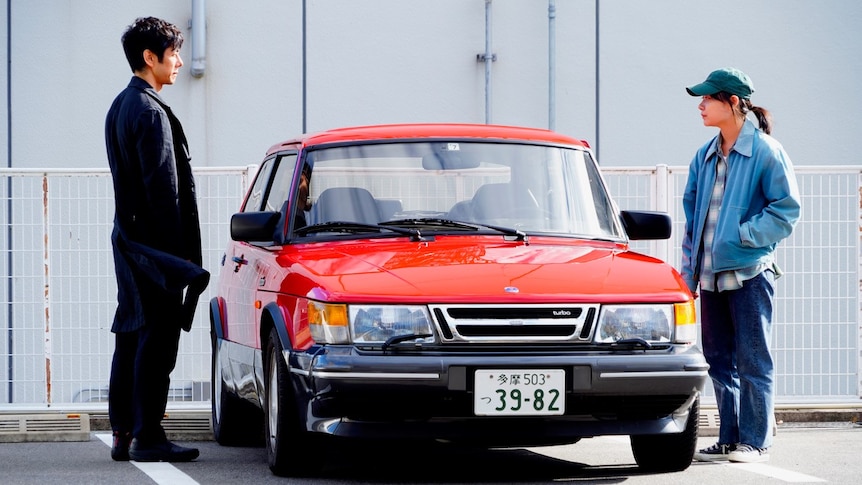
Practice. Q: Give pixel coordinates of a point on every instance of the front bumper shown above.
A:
(421, 395)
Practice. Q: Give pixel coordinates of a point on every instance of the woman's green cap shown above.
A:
(729, 80)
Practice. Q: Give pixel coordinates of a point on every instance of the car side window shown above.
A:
(258, 190)
(280, 187)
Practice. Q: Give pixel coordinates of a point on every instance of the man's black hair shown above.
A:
(150, 33)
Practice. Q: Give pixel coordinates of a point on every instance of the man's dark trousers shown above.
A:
(138, 404)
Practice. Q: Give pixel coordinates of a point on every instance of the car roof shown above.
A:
(426, 130)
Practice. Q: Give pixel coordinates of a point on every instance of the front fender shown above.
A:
(217, 320)
(276, 317)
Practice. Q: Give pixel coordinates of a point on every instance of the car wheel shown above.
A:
(289, 449)
(234, 421)
(668, 452)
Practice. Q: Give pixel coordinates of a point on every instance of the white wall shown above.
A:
(802, 55)
(381, 61)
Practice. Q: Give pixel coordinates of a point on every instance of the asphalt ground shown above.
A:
(804, 452)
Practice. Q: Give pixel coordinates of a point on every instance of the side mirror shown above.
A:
(643, 225)
(254, 226)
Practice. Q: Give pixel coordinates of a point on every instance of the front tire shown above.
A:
(289, 448)
(668, 452)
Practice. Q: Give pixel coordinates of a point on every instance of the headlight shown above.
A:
(378, 323)
(653, 323)
(365, 324)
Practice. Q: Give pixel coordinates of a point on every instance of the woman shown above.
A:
(740, 200)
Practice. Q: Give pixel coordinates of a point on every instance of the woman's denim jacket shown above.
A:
(761, 204)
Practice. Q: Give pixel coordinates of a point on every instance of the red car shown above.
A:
(448, 282)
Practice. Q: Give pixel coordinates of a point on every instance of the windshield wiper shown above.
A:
(356, 228)
(631, 344)
(448, 223)
(431, 222)
(402, 338)
(518, 234)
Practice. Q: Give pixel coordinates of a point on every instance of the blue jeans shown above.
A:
(736, 329)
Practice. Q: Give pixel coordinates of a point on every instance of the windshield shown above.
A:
(530, 188)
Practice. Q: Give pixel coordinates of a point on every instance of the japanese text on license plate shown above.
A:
(519, 392)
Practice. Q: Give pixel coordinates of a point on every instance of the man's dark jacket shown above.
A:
(156, 236)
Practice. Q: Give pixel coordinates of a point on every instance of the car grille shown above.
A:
(515, 323)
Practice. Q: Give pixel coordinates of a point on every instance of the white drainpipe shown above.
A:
(487, 57)
(199, 34)
(552, 66)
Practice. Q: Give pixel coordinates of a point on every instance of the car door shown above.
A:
(245, 262)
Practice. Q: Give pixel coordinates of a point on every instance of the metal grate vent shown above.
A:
(708, 419)
(44, 427)
(187, 422)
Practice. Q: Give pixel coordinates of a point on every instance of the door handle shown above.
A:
(239, 260)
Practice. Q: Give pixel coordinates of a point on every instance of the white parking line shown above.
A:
(565, 453)
(775, 472)
(160, 472)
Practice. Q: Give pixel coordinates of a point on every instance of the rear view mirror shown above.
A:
(254, 226)
(449, 156)
(641, 225)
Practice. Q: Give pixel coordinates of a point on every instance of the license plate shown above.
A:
(519, 392)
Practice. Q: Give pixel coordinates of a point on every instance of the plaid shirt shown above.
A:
(724, 280)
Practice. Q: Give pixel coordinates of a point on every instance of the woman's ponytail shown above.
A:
(764, 117)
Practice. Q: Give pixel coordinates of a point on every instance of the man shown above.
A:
(156, 243)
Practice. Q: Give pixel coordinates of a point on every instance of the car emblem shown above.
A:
(511, 289)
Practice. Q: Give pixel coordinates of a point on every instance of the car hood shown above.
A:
(471, 269)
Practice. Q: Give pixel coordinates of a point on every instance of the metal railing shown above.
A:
(58, 293)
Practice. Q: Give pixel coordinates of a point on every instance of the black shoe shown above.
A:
(716, 452)
(120, 448)
(164, 451)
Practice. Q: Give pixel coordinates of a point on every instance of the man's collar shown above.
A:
(142, 82)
